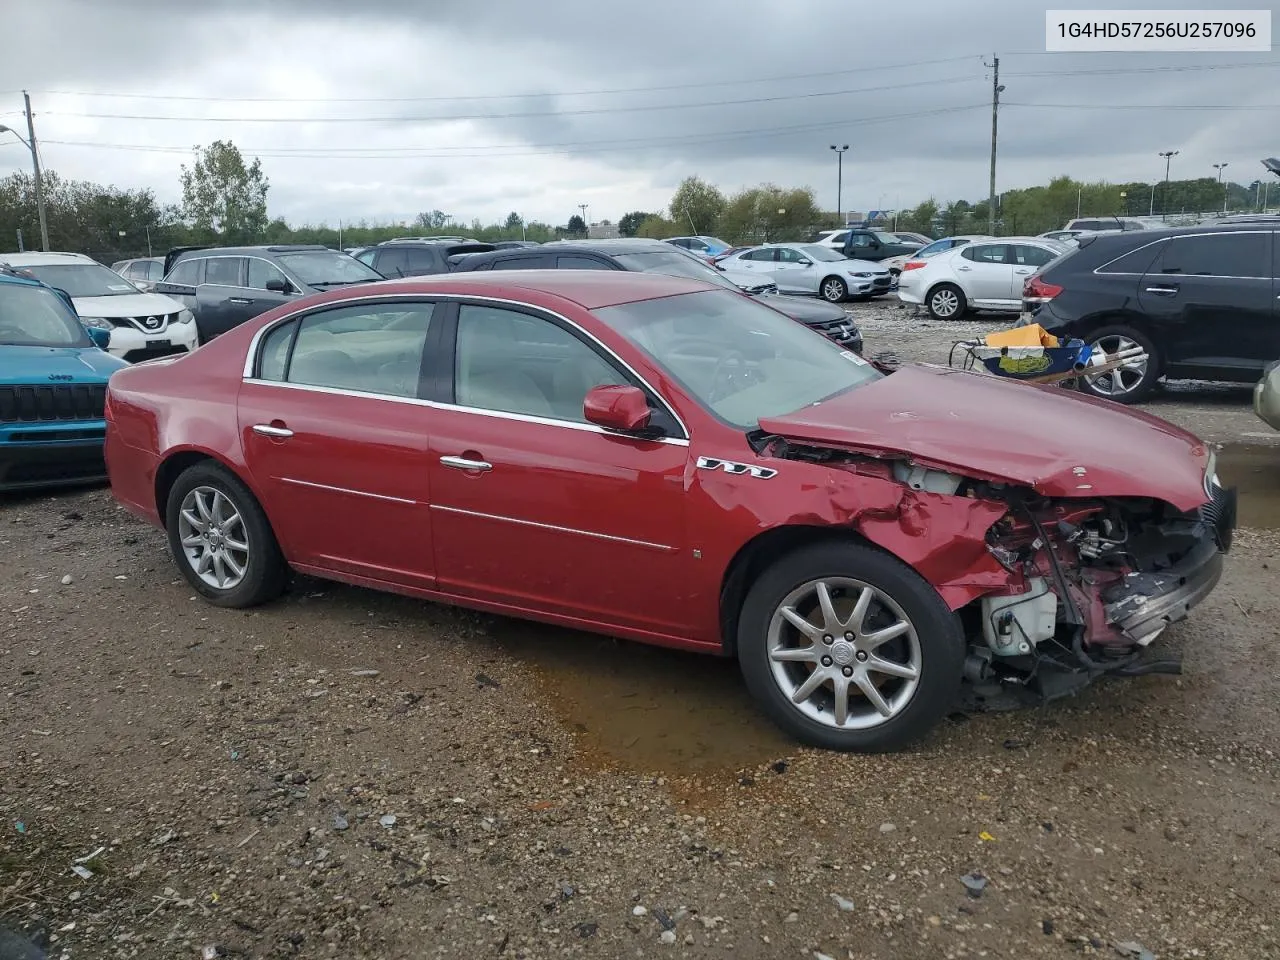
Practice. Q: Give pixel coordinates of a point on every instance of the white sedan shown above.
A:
(980, 275)
(814, 269)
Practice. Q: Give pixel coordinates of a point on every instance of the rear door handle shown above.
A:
(964, 268)
(267, 430)
(1022, 271)
(464, 463)
(240, 300)
(1163, 291)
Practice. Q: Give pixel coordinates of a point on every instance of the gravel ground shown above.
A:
(231, 776)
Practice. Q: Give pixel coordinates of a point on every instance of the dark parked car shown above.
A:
(657, 256)
(875, 245)
(225, 286)
(417, 258)
(1201, 301)
(514, 244)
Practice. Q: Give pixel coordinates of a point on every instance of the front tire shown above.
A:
(946, 301)
(220, 538)
(833, 290)
(847, 648)
(1130, 383)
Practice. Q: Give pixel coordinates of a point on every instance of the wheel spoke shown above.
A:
(800, 623)
(809, 687)
(202, 508)
(239, 546)
(870, 691)
(888, 667)
(216, 512)
(236, 568)
(860, 608)
(871, 641)
(219, 568)
(830, 622)
(841, 704)
(794, 655)
(203, 562)
(198, 525)
(194, 540)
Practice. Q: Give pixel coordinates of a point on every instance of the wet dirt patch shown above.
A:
(646, 709)
(1254, 470)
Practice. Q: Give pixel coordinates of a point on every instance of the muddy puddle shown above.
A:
(646, 709)
(1254, 470)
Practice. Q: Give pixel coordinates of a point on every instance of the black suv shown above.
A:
(1201, 301)
(875, 245)
(418, 257)
(657, 256)
(225, 286)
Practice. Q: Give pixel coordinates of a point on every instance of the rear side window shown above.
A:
(984, 252)
(1029, 256)
(518, 263)
(581, 263)
(1219, 255)
(273, 360)
(1135, 261)
(187, 272)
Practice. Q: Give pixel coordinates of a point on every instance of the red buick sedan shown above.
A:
(666, 461)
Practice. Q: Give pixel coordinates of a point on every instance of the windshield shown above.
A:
(816, 251)
(317, 268)
(886, 237)
(739, 359)
(674, 265)
(32, 316)
(82, 279)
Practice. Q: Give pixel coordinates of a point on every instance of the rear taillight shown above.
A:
(1033, 288)
(912, 265)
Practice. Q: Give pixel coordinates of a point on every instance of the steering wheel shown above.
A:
(729, 369)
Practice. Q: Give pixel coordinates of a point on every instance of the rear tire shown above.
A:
(897, 656)
(833, 290)
(946, 301)
(221, 540)
(1128, 384)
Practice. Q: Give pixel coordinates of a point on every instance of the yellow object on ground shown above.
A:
(1032, 335)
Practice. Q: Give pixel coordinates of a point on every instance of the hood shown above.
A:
(54, 364)
(863, 266)
(127, 305)
(1058, 442)
(807, 311)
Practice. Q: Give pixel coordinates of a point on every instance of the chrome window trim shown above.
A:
(1098, 270)
(245, 286)
(255, 345)
(665, 548)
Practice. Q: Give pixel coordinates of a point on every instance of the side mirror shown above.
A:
(101, 338)
(623, 408)
(278, 286)
(805, 263)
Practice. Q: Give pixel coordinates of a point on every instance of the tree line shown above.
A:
(224, 201)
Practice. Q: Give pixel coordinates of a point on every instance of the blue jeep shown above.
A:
(53, 385)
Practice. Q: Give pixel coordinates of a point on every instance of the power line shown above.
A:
(410, 153)
(507, 96)
(511, 116)
(1143, 106)
(1125, 71)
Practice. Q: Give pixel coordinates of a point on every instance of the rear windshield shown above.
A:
(673, 265)
(32, 316)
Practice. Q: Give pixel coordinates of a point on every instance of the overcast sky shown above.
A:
(379, 109)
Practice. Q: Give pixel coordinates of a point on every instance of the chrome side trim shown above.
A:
(354, 493)
(434, 405)
(550, 526)
(252, 353)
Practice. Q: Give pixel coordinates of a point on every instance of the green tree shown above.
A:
(514, 222)
(432, 220)
(630, 222)
(920, 219)
(577, 227)
(769, 213)
(698, 205)
(656, 227)
(222, 197)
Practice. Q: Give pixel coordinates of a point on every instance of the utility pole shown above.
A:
(996, 90)
(1218, 167)
(840, 180)
(1164, 197)
(35, 164)
(583, 208)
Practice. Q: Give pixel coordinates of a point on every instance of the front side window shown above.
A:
(518, 263)
(511, 362)
(1219, 255)
(370, 348)
(760, 256)
(32, 316)
(82, 279)
(740, 360)
(788, 255)
(581, 263)
(261, 271)
(820, 253)
(859, 240)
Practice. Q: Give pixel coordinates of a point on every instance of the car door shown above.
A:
(336, 437)
(221, 296)
(1027, 259)
(1211, 298)
(760, 262)
(860, 245)
(793, 271)
(984, 273)
(535, 510)
(258, 274)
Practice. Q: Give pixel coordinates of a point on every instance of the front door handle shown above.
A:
(464, 463)
(964, 268)
(267, 430)
(1022, 271)
(240, 300)
(1163, 291)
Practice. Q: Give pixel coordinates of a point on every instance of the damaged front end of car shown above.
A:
(1053, 591)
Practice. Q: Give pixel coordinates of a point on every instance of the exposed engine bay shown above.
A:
(1088, 583)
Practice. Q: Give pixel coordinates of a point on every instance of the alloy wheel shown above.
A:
(944, 303)
(1123, 380)
(214, 540)
(844, 653)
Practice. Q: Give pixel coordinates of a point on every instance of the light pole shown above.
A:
(1164, 198)
(1219, 167)
(840, 179)
(35, 166)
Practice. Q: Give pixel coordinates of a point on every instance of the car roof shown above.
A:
(612, 245)
(44, 259)
(590, 289)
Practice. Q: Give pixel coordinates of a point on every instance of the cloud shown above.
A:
(380, 110)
